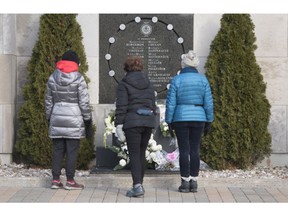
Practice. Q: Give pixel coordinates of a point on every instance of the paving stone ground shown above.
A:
(105, 193)
(111, 188)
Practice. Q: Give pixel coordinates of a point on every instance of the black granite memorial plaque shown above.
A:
(160, 39)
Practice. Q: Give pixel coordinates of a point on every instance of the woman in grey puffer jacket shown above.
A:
(67, 111)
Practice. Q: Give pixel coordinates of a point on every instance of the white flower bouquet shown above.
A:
(155, 155)
(109, 126)
(164, 129)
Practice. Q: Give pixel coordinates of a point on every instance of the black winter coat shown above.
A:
(134, 92)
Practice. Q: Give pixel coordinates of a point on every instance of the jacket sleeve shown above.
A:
(208, 103)
(170, 102)
(84, 103)
(48, 101)
(121, 104)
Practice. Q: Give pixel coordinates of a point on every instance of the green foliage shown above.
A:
(239, 136)
(57, 34)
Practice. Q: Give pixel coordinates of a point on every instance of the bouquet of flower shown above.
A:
(164, 129)
(122, 152)
(109, 126)
(153, 152)
(155, 155)
(170, 161)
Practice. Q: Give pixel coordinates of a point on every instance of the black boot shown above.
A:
(193, 186)
(135, 191)
(184, 187)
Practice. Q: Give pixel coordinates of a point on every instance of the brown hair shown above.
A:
(133, 63)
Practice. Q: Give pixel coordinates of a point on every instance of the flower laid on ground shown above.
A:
(155, 155)
(122, 152)
(163, 125)
(164, 129)
(169, 161)
(122, 163)
(109, 126)
(153, 151)
(172, 156)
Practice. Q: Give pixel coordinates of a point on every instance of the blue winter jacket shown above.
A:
(189, 98)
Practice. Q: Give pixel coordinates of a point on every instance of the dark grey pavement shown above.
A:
(111, 188)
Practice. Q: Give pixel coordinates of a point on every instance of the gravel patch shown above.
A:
(21, 170)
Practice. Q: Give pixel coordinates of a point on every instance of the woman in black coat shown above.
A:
(135, 118)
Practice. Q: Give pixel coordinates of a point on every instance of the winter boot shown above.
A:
(184, 187)
(193, 186)
(135, 191)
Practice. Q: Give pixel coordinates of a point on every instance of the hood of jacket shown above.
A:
(137, 79)
(66, 72)
(189, 70)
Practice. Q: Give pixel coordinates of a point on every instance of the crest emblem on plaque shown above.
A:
(146, 29)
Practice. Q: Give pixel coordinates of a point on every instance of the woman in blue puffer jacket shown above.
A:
(189, 111)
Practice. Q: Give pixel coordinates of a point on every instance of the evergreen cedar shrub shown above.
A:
(57, 34)
(239, 137)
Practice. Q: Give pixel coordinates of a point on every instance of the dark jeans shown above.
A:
(62, 147)
(137, 142)
(189, 139)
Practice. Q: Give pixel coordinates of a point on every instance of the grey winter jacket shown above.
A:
(67, 105)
